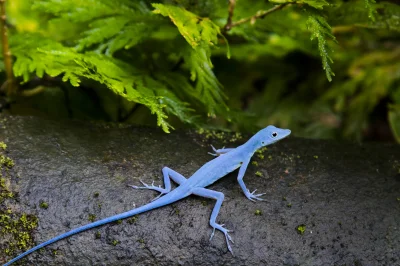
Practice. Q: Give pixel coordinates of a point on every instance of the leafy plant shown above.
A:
(172, 57)
(321, 31)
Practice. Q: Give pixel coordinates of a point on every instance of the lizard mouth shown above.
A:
(284, 133)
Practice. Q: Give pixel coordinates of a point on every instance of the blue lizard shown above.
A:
(227, 161)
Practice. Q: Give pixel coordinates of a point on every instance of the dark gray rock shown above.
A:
(346, 195)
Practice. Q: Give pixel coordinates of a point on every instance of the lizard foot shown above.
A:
(152, 187)
(217, 151)
(226, 233)
(251, 196)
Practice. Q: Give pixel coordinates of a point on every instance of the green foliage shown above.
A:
(387, 17)
(171, 57)
(112, 25)
(38, 55)
(370, 8)
(197, 31)
(372, 78)
(207, 85)
(321, 30)
(201, 34)
(360, 14)
(394, 120)
(319, 4)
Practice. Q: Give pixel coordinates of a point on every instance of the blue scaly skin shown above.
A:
(227, 161)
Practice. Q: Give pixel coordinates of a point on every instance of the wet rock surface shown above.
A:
(326, 202)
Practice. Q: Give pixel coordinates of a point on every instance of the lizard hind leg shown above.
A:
(219, 196)
(168, 174)
(218, 152)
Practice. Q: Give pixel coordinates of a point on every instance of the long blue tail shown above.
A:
(165, 200)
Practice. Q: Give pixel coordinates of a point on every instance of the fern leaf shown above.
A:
(197, 31)
(207, 85)
(84, 11)
(115, 26)
(321, 30)
(75, 10)
(371, 10)
(318, 4)
(201, 34)
(102, 30)
(38, 55)
(172, 103)
(112, 26)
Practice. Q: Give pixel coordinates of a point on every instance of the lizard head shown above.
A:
(272, 134)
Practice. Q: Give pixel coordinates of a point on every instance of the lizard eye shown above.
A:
(274, 134)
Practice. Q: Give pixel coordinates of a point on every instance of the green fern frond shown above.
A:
(321, 30)
(172, 103)
(115, 33)
(102, 30)
(180, 85)
(201, 34)
(371, 10)
(112, 25)
(84, 11)
(34, 54)
(319, 4)
(75, 10)
(207, 85)
(197, 31)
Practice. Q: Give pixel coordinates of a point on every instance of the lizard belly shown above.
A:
(207, 176)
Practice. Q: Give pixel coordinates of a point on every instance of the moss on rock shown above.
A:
(15, 228)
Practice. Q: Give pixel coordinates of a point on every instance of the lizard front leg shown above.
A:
(168, 174)
(219, 196)
(250, 195)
